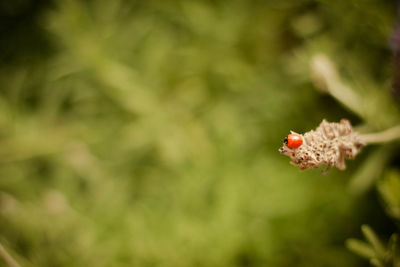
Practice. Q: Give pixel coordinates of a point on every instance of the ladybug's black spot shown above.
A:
(285, 141)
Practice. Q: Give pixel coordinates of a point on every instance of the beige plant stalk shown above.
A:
(332, 143)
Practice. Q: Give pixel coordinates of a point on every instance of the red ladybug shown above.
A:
(293, 140)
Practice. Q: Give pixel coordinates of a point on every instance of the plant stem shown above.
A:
(388, 135)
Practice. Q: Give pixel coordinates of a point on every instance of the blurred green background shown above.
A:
(146, 133)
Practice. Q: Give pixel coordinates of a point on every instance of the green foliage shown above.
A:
(145, 133)
(378, 254)
(389, 189)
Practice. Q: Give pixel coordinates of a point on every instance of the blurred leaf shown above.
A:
(361, 248)
(371, 169)
(389, 189)
(377, 253)
(373, 240)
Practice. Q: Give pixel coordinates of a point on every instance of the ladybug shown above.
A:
(293, 140)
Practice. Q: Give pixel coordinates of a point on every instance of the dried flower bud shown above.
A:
(330, 144)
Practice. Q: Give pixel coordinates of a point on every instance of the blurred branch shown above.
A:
(386, 136)
(326, 78)
(375, 107)
(8, 258)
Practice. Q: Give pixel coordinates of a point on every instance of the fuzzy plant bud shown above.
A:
(330, 144)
